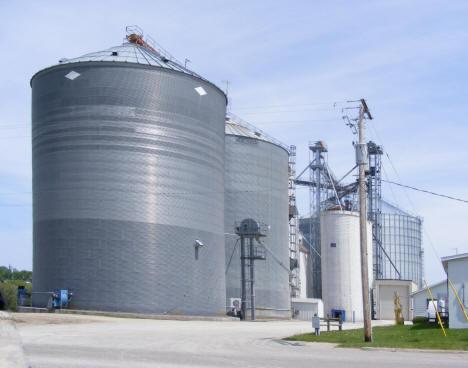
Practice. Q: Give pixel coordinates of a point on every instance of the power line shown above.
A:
(334, 103)
(425, 231)
(294, 121)
(391, 188)
(426, 191)
(282, 111)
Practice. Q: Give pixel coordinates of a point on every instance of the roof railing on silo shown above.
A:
(135, 35)
(257, 131)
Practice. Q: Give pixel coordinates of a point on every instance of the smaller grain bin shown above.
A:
(256, 186)
(341, 264)
(402, 241)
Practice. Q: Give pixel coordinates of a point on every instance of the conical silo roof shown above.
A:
(131, 53)
(238, 127)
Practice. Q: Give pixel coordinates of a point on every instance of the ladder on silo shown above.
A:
(294, 280)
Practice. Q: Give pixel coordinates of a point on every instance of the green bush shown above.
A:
(9, 289)
(419, 320)
(14, 274)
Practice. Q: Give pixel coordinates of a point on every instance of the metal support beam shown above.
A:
(243, 281)
(252, 280)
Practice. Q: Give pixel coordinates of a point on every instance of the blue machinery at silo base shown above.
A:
(339, 313)
(61, 298)
(57, 299)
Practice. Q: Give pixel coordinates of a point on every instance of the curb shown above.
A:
(406, 350)
(146, 316)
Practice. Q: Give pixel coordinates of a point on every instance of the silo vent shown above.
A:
(200, 90)
(72, 75)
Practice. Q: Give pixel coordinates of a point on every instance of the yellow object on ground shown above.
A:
(437, 312)
(399, 320)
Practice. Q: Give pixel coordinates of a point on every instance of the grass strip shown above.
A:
(420, 335)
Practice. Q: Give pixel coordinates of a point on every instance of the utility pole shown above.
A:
(362, 161)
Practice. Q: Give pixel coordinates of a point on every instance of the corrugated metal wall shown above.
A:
(314, 262)
(127, 173)
(402, 240)
(439, 291)
(257, 187)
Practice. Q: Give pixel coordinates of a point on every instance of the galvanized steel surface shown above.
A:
(313, 264)
(256, 182)
(127, 173)
(131, 53)
(402, 240)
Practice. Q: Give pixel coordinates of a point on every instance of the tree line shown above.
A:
(10, 279)
(8, 273)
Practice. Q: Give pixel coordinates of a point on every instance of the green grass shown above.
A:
(9, 289)
(421, 335)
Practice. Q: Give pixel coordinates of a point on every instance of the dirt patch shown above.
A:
(54, 319)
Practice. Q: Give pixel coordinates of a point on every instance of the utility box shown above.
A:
(362, 157)
(316, 322)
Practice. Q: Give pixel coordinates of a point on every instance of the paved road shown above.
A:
(86, 341)
(11, 347)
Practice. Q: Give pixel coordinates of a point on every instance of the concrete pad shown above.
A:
(11, 347)
(98, 341)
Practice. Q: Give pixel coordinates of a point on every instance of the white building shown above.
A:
(421, 298)
(385, 298)
(305, 308)
(456, 268)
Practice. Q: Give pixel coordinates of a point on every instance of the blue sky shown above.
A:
(287, 64)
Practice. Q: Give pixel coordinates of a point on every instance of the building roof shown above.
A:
(131, 53)
(456, 257)
(237, 126)
(430, 287)
(390, 208)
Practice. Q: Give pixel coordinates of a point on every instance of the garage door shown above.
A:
(387, 303)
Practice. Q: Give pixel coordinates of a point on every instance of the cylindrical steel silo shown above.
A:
(256, 186)
(401, 239)
(128, 174)
(341, 263)
(313, 265)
